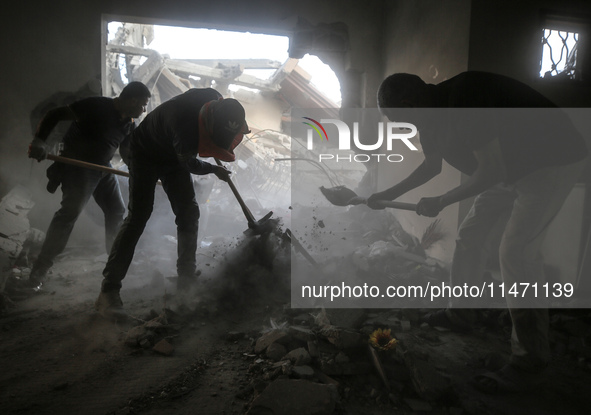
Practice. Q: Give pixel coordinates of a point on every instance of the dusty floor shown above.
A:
(59, 357)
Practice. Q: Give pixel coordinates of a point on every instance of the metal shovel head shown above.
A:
(339, 195)
(262, 226)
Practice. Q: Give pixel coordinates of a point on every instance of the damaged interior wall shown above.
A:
(57, 47)
(436, 40)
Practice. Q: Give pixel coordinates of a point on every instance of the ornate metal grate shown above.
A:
(559, 54)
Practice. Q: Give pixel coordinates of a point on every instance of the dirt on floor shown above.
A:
(196, 352)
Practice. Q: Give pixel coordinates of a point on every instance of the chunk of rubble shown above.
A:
(298, 357)
(14, 228)
(163, 347)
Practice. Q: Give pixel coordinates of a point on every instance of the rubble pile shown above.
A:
(327, 356)
(16, 237)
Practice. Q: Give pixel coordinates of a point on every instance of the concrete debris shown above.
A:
(151, 333)
(298, 357)
(163, 347)
(14, 228)
(295, 397)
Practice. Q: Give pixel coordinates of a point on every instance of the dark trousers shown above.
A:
(178, 185)
(78, 185)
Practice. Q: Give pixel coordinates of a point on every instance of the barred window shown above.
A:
(564, 52)
(559, 54)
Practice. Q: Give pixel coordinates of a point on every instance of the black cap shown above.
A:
(228, 121)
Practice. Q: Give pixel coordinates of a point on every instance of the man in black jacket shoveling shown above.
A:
(165, 147)
(521, 168)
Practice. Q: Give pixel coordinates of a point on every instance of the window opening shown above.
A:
(253, 68)
(559, 54)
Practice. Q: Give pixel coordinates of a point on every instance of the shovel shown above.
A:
(343, 196)
(255, 227)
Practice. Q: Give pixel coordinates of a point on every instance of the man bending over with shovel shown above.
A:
(522, 173)
(165, 146)
(99, 126)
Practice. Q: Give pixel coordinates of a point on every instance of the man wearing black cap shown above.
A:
(164, 147)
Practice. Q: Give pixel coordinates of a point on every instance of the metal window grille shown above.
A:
(559, 54)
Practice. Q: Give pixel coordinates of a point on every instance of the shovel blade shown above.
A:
(339, 195)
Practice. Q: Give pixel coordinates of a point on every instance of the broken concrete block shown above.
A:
(275, 351)
(295, 397)
(163, 347)
(299, 357)
(268, 338)
(134, 335)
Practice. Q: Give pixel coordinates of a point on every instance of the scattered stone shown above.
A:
(275, 351)
(298, 356)
(163, 347)
(295, 397)
(134, 335)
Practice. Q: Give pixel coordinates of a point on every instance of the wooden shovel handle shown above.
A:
(91, 166)
(397, 205)
(86, 165)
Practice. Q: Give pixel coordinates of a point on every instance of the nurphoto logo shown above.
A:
(391, 133)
